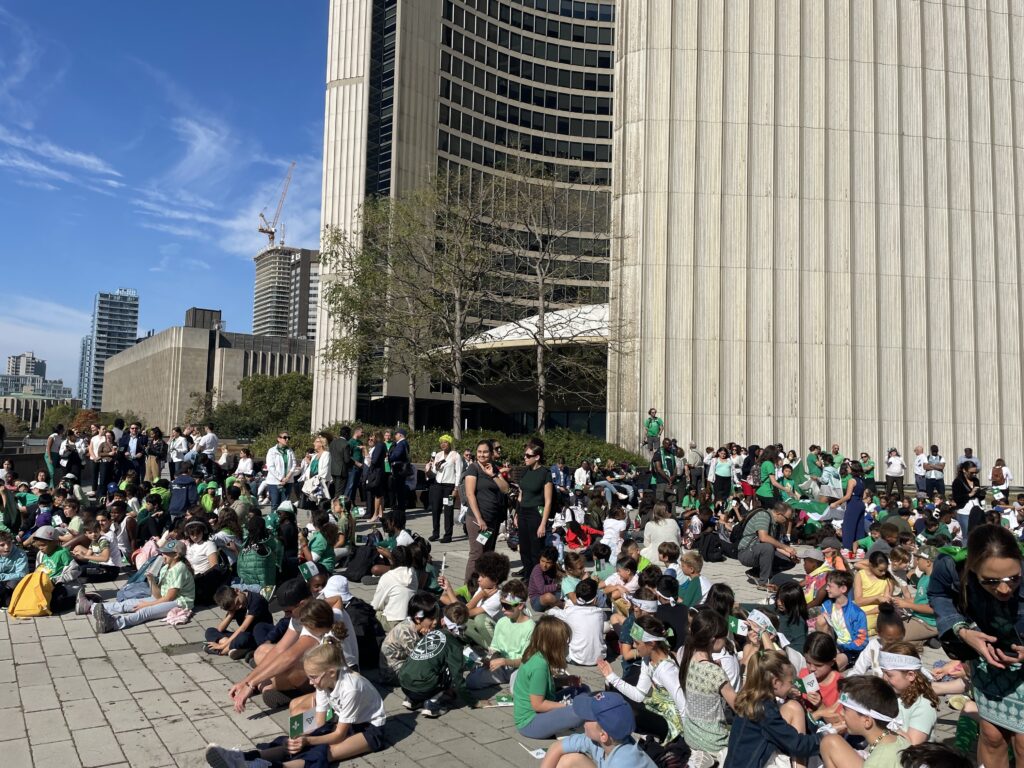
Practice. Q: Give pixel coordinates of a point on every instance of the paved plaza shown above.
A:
(150, 697)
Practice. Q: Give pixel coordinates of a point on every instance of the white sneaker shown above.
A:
(222, 757)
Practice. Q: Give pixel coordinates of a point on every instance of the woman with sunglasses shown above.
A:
(979, 610)
(536, 493)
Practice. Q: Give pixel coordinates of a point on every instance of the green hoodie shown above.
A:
(435, 651)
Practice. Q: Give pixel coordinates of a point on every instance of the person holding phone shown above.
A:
(979, 610)
(485, 495)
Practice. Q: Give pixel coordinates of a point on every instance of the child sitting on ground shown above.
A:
(693, 588)
(247, 609)
(869, 706)
(102, 558)
(545, 582)
(586, 619)
(614, 530)
(485, 605)
(607, 729)
(623, 582)
(13, 566)
(843, 618)
(433, 675)
(668, 555)
(424, 614)
(511, 636)
(63, 570)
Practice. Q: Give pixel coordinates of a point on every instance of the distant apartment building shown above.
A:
(31, 408)
(14, 384)
(287, 287)
(84, 358)
(26, 364)
(115, 327)
(198, 357)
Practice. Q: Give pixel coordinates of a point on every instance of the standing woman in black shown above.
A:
(979, 610)
(535, 496)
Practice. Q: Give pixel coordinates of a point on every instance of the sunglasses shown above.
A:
(285, 437)
(529, 455)
(997, 582)
(509, 606)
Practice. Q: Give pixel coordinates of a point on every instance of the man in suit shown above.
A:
(132, 449)
(399, 458)
(341, 459)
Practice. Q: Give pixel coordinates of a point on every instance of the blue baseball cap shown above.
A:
(609, 710)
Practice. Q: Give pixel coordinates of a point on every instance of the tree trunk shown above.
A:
(542, 382)
(412, 401)
(457, 352)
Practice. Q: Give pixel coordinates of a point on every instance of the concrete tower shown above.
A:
(822, 206)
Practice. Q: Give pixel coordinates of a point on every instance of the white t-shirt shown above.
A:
(935, 474)
(119, 534)
(491, 606)
(94, 445)
(586, 645)
(393, 592)
(207, 444)
(919, 462)
(349, 646)
(115, 553)
(198, 556)
(895, 466)
(244, 467)
(613, 531)
(404, 539)
(354, 700)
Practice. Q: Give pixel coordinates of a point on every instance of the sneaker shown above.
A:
(408, 704)
(433, 709)
(222, 757)
(274, 699)
(621, 496)
(238, 653)
(370, 581)
(83, 605)
(104, 621)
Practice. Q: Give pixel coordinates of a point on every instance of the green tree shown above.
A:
(15, 428)
(59, 414)
(278, 402)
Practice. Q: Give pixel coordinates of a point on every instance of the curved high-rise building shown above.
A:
(821, 210)
(415, 87)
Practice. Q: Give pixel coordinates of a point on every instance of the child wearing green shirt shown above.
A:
(512, 634)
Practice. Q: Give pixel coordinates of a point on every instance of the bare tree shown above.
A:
(413, 277)
(555, 240)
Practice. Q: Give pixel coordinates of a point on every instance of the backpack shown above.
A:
(709, 545)
(998, 478)
(32, 596)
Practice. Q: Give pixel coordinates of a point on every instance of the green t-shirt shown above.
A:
(766, 490)
(179, 577)
(55, 564)
(534, 679)
(603, 573)
(813, 470)
(569, 583)
(886, 755)
(869, 469)
(921, 598)
(837, 460)
(323, 549)
(920, 716)
(865, 543)
(357, 450)
(654, 426)
(511, 638)
(75, 524)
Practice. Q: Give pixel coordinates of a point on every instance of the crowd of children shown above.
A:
(826, 669)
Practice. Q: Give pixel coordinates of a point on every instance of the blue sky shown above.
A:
(138, 143)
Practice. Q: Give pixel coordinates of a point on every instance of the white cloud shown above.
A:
(57, 154)
(18, 161)
(211, 152)
(53, 331)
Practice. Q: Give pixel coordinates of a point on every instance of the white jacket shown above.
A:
(275, 466)
(321, 478)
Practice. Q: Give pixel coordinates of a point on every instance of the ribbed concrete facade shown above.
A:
(821, 211)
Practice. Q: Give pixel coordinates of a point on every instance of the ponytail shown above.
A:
(763, 669)
(326, 656)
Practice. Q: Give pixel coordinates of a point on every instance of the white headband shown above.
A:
(641, 635)
(850, 703)
(897, 661)
(664, 597)
(451, 626)
(647, 606)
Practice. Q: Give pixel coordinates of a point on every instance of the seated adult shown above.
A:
(660, 528)
(279, 662)
(761, 548)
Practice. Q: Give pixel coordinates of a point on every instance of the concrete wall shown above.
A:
(156, 378)
(821, 207)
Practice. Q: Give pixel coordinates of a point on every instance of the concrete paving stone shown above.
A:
(114, 641)
(157, 705)
(16, 753)
(6, 651)
(46, 726)
(143, 642)
(194, 759)
(143, 748)
(126, 715)
(222, 730)
(469, 750)
(80, 629)
(89, 648)
(12, 724)
(38, 697)
(65, 666)
(166, 636)
(176, 681)
(50, 626)
(99, 668)
(447, 761)
(28, 653)
(7, 672)
(108, 690)
(23, 631)
(83, 713)
(138, 680)
(32, 674)
(10, 693)
(97, 746)
(418, 748)
(72, 689)
(58, 646)
(178, 735)
(54, 753)
(204, 672)
(511, 750)
(215, 689)
(254, 723)
(192, 634)
(388, 758)
(159, 662)
(197, 705)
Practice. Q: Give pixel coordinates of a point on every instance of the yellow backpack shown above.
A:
(32, 596)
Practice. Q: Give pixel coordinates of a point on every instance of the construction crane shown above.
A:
(270, 228)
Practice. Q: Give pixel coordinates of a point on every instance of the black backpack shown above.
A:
(709, 545)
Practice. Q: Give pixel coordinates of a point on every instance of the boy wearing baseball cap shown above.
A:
(606, 740)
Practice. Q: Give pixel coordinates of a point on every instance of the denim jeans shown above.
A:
(126, 616)
(355, 474)
(278, 493)
(546, 724)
